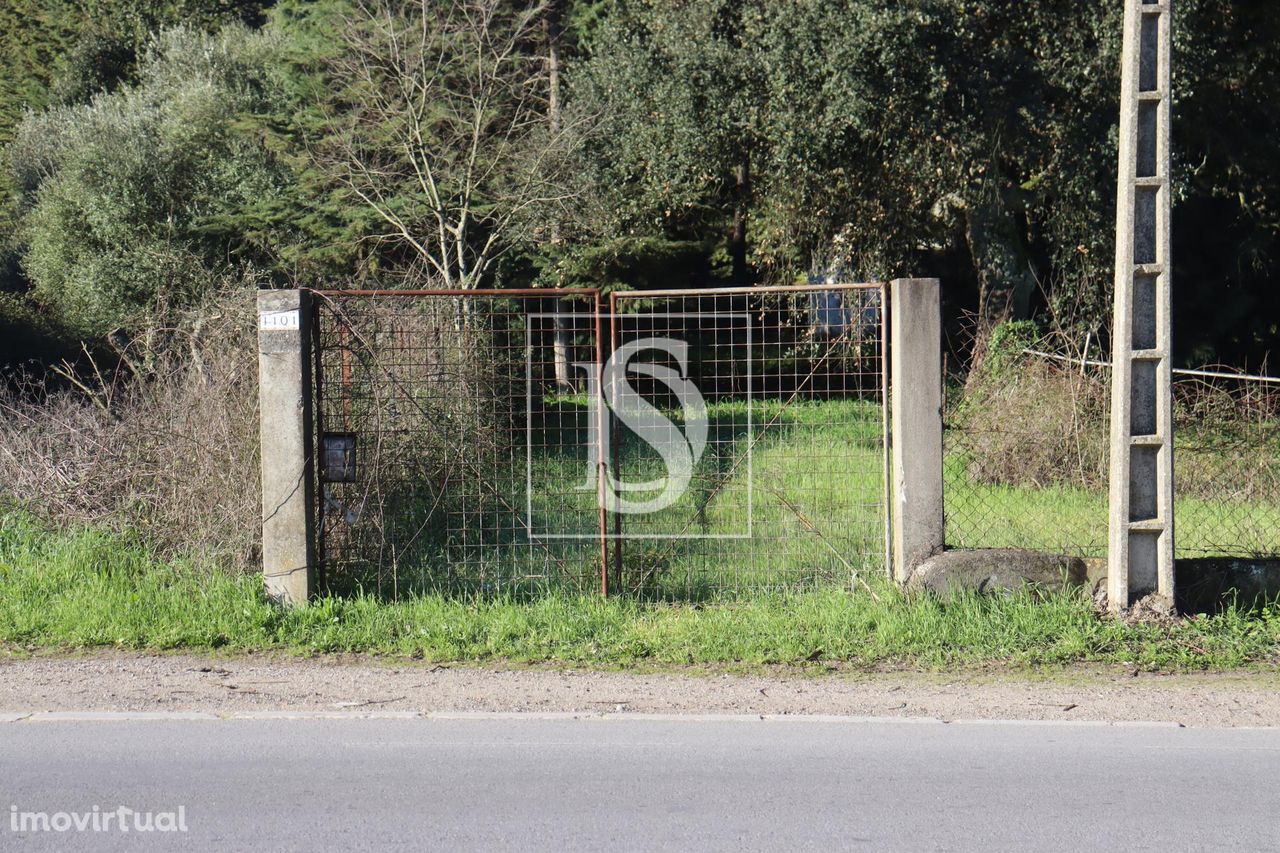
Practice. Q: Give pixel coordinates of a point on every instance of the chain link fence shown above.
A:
(1226, 465)
(1026, 457)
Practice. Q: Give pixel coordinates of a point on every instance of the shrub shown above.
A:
(161, 444)
(130, 201)
(1024, 420)
(1027, 421)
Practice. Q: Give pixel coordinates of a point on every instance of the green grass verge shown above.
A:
(89, 589)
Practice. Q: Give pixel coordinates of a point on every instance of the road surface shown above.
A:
(506, 782)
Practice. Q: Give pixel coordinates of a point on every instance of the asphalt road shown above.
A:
(645, 784)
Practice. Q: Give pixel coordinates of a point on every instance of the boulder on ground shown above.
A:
(996, 570)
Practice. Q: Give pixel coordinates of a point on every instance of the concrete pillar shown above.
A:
(915, 345)
(1140, 546)
(284, 395)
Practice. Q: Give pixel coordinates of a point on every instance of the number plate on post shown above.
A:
(279, 321)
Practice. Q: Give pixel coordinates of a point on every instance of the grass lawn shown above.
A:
(89, 590)
(792, 501)
(806, 480)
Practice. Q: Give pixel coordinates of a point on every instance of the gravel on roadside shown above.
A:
(269, 682)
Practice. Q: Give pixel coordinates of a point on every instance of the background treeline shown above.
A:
(158, 153)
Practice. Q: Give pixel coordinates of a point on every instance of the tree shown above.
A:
(63, 52)
(1007, 160)
(1226, 222)
(440, 127)
(678, 90)
(131, 200)
(856, 119)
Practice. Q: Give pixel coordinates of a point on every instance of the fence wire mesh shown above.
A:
(788, 490)
(1226, 466)
(453, 443)
(482, 442)
(1026, 458)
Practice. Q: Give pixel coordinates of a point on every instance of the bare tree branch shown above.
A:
(448, 137)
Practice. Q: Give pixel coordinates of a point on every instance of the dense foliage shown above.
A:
(133, 198)
(625, 143)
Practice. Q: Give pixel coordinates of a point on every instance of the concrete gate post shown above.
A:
(915, 346)
(284, 398)
(1140, 548)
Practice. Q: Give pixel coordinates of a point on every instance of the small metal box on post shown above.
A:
(285, 398)
(915, 345)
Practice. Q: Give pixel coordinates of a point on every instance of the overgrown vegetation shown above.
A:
(625, 143)
(1029, 421)
(1027, 454)
(89, 589)
(157, 440)
(134, 201)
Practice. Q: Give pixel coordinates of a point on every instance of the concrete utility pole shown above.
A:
(1140, 552)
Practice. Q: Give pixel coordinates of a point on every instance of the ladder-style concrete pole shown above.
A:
(1140, 547)
(915, 371)
(284, 399)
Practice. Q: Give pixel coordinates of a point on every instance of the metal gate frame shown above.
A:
(881, 289)
(608, 531)
(336, 296)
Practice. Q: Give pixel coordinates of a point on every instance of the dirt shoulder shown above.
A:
(135, 682)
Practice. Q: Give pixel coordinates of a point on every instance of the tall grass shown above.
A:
(90, 589)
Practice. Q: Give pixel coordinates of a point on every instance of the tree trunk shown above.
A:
(553, 29)
(738, 237)
(562, 335)
(1006, 277)
(562, 347)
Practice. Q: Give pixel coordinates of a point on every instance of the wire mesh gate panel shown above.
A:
(746, 439)
(455, 435)
(481, 441)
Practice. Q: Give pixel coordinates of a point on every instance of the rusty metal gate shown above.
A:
(450, 456)
(676, 444)
(787, 490)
